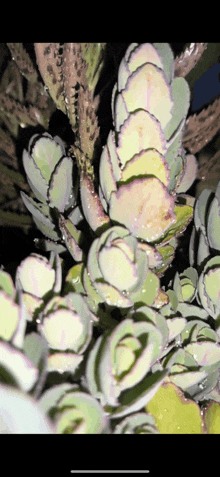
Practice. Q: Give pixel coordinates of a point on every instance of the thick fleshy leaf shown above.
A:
(124, 72)
(71, 236)
(201, 209)
(42, 220)
(149, 216)
(19, 366)
(185, 380)
(203, 251)
(51, 396)
(181, 98)
(173, 413)
(6, 284)
(64, 362)
(9, 316)
(154, 256)
(63, 330)
(35, 275)
(107, 180)
(188, 311)
(46, 154)
(210, 277)
(134, 399)
(21, 414)
(145, 53)
(189, 175)
(149, 162)
(140, 131)
(213, 225)
(184, 214)
(74, 279)
(31, 304)
(138, 423)
(205, 353)
(166, 54)
(147, 88)
(91, 204)
(82, 414)
(149, 290)
(37, 182)
(36, 349)
(117, 269)
(112, 296)
(61, 187)
(212, 418)
(176, 326)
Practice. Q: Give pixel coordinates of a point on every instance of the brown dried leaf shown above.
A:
(49, 64)
(88, 124)
(188, 59)
(201, 128)
(29, 115)
(73, 72)
(7, 149)
(23, 60)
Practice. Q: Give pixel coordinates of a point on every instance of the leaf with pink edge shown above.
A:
(150, 214)
(140, 131)
(147, 162)
(147, 88)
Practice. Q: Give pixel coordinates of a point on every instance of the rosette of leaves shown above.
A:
(138, 423)
(193, 358)
(37, 278)
(23, 357)
(143, 162)
(73, 411)
(66, 323)
(185, 285)
(118, 270)
(209, 287)
(50, 174)
(206, 231)
(118, 368)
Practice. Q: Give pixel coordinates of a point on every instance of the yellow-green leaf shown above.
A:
(173, 413)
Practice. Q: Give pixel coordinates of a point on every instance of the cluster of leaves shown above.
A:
(101, 347)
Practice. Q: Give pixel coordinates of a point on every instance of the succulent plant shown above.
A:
(138, 423)
(66, 323)
(209, 287)
(104, 347)
(143, 163)
(118, 270)
(50, 175)
(185, 285)
(205, 233)
(119, 364)
(73, 411)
